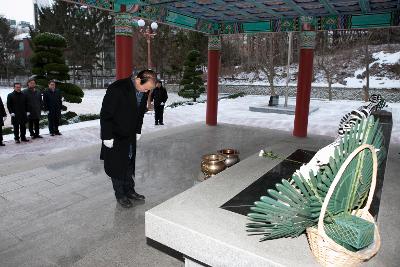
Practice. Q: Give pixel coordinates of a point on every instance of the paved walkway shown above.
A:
(59, 209)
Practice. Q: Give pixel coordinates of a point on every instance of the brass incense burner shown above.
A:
(212, 164)
(231, 155)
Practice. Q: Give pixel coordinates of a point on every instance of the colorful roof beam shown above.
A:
(364, 5)
(329, 7)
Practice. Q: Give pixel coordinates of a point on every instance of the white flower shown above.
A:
(261, 154)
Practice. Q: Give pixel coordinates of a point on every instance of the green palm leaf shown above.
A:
(293, 206)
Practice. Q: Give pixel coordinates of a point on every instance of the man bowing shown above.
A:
(121, 120)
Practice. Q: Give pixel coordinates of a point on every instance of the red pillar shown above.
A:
(304, 81)
(123, 56)
(214, 47)
(123, 45)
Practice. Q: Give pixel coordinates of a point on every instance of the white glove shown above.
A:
(162, 104)
(108, 143)
(138, 137)
(28, 113)
(12, 114)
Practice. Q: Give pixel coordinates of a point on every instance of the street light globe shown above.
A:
(141, 23)
(154, 25)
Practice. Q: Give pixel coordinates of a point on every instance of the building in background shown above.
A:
(24, 52)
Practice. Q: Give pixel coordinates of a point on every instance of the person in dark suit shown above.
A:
(159, 96)
(52, 102)
(121, 119)
(17, 105)
(3, 116)
(35, 103)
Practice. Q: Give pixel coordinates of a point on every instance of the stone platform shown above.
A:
(194, 224)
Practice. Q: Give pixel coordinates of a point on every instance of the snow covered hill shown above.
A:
(384, 71)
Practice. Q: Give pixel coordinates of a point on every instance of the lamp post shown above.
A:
(148, 32)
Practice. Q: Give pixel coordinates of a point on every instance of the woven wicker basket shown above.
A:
(327, 251)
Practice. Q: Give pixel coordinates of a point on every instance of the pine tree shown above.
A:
(49, 64)
(192, 80)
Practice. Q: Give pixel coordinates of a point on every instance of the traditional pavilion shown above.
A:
(219, 17)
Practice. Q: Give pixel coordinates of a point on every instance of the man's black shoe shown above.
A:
(2, 144)
(58, 133)
(125, 202)
(17, 141)
(34, 136)
(161, 123)
(135, 196)
(24, 140)
(39, 136)
(52, 134)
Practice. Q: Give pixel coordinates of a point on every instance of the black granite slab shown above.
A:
(386, 123)
(242, 202)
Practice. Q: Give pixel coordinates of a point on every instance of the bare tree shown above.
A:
(8, 48)
(366, 62)
(269, 55)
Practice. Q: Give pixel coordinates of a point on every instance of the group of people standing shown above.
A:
(25, 106)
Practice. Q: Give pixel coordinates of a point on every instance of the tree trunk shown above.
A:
(289, 54)
(271, 68)
(91, 78)
(73, 72)
(330, 90)
(271, 85)
(7, 74)
(366, 87)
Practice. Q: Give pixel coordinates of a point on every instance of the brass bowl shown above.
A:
(212, 164)
(232, 156)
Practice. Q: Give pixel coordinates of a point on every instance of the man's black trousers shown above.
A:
(159, 114)
(34, 127)
(54, 122)
(19, 128)
(126, 185)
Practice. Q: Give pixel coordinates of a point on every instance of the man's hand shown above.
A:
(4, 118)
(12, 114)
(138, 137)
(28, 113)
(109, 143)
(162, 103)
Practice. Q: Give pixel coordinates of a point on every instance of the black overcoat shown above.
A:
(35, 103)
(52, 102)
(17, 103)
(159, 95)
(2, 113)
(120, 119)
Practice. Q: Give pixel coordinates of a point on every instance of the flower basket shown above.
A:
(325, 249)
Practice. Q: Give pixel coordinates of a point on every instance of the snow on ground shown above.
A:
(233, 111)
(91, 102)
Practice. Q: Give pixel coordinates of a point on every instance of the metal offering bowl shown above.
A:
(232, 156)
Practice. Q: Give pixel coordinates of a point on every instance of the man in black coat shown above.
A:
(17, 105)
(121, 120)
(3, 116)
(159, 96)
(35, 106)
(52, 101)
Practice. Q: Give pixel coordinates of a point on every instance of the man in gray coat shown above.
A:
(35, 106)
